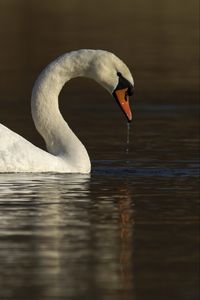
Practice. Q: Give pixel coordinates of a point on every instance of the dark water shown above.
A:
(129, 230)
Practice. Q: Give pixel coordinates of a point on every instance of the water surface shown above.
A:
(126, 231)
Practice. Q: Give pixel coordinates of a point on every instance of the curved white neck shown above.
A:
(59, 138)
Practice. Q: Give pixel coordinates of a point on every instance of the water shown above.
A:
(129, 230)
(127, 138)
(114, 235)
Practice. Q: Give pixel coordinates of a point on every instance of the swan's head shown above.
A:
(114, 75)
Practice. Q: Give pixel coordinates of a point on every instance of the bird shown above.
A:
(65, 152)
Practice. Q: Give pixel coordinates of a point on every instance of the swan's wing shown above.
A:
(19, 155)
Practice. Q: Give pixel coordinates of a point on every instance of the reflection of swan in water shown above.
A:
(37, 227)
(57, 226)
(46, 187)
(66, 153)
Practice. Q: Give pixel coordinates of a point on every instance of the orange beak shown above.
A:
(123, 101)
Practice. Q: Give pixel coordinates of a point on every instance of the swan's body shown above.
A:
(65, 151)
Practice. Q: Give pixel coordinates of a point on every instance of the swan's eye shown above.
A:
(126, 95)
(123, 83)
(130, 90)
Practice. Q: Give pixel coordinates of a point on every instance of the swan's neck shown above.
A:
(59, 138)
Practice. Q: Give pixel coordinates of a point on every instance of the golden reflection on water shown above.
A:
(125, 206)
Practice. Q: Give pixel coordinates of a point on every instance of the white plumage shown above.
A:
(66, 153)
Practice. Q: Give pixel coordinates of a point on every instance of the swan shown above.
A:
(66, 153)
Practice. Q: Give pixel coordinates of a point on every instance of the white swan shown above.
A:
(66, 153)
